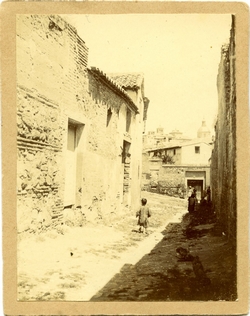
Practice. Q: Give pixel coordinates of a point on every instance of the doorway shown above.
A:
(70, 167)
(73, 162)
(198, 185)
(126, 171)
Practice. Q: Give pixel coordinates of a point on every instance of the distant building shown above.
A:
(175, 134)
(180, 163)
(159, 139)
(203, 131)
(194, 152)
(155, 138)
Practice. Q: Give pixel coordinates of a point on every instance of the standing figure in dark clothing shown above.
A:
(194, 192)
(191, 203)
(208, 194)
(143, 215)
(190, 191)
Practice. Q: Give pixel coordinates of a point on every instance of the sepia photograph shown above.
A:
(125, 186)
(126, 157)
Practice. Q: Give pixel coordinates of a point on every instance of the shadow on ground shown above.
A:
(193, 262)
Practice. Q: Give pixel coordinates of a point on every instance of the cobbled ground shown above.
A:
(110, 261)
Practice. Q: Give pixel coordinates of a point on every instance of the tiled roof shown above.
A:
(114, 85)
(131, 81)
(173, 145)
(179, 144)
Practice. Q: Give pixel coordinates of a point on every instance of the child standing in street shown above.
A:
(143, 215)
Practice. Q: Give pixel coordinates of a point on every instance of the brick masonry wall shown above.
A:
(39, 150)
(40, 85)
(54, 86)
(223, 164)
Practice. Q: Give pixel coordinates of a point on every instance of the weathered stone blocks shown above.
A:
(54, 87)
(223, 164)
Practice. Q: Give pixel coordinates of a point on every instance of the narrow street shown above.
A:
(113, 262)
(70, 264)
(160, 275)
(110, 109)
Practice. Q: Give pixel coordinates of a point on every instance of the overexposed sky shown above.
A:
(178, 54)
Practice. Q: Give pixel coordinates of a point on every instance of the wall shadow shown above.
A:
(193, 262)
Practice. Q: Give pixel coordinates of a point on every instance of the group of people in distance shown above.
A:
(144, 212)
(192, 199)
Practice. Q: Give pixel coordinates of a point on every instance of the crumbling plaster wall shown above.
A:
(223, 163)
(136, 161)
(42, 83)
(53, 86)
(103, 171)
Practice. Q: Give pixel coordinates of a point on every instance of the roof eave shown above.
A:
(115, 87)
(163, 148)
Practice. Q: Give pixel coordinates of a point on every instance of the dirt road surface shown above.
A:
(110, 260)
(77, 263)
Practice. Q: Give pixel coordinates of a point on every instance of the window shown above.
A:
(174, 151)
(109, 115)
(197, 149)
(128, 121)
(125, 151)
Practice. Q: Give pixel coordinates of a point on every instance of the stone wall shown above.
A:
(171, 179)
(173, 176)
(54, 87)
(41, 83)
(223, 163)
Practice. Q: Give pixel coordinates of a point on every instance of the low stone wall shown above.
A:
(166, 187)
(171, 179)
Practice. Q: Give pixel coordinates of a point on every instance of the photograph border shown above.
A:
(9, 160)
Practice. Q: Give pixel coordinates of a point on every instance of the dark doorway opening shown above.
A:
(198, 185)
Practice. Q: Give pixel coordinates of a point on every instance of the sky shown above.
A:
(178, 54)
